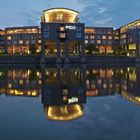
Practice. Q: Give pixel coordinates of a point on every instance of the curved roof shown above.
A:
(64, 113)
(61, 9)
(60, 15)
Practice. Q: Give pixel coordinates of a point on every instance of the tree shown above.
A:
(32, 48)
(91, 49)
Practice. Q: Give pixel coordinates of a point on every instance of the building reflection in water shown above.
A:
(64, 90)
(63, 93)
(20, 82)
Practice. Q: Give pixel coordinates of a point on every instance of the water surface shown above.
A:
(70, 102)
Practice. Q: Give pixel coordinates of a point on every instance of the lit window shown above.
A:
(20, 41)
(62, 35)
(86, 41)
(103, 37)
(92, 37)
(110, 37)
(98, 41)
(39, 41)
(9, 38)
(27, 42)
(62, 28)
(109, 32)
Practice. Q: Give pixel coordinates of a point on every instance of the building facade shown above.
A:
(99, 40)
(129, 39)
(62, 35)
(2, 41)
(62, 38)
(23, 40)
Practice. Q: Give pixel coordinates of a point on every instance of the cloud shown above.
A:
(103, 22)
(102, 10)
(31, 18)
(109, 13)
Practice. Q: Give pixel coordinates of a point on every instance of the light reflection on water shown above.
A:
(73, 102)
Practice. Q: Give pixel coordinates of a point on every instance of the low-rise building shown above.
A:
(99, 40)
(23, 40)
(129, 35)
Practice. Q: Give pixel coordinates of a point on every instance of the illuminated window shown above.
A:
(89, 30)
(123, 36)
(104, 37)
(62, 35)
(109, 32)
(86, 41)
(27, 42)
(9, 38)
(39, 41)
(20, 41)
(92, 37)
(98, 41)
(116, 37)
(62, 28)
(110, 37)
(132, 47)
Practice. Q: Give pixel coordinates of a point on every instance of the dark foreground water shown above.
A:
(70, 102)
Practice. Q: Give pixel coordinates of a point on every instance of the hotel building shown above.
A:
(129, 39)
(62, 35)
(99, 40)
(23, 40)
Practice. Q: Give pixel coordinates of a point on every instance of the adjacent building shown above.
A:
(129, 39)
(23, 40)
(62, 35)
(99, 40)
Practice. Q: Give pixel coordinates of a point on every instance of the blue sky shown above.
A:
(113, 13)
